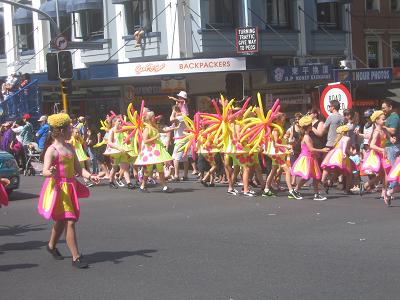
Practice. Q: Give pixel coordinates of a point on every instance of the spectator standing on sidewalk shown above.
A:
(42, 133)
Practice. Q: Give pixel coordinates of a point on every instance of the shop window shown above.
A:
(328, 15)
(224, 13)
(65, 27)
(396, 54)
(278, 13)
(91, 25)
(373, 54)
(25, 37)
(395, 5)
(372, 5)
(138, 14)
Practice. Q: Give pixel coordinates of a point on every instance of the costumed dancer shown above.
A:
(118, 150)
(152, 152)
(3, 193)
(61, 190)
(338, 159)
(77, 142)
(279, 157)
(306, 166)
(375, 160)
(394, 176)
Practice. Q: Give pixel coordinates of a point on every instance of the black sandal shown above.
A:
(55, 253)
(79, 263)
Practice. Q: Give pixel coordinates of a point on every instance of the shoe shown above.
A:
(89, 184)
(130, 186)
(166, 189)
(184, 178)
(175, 179)
(79, 263)
(119, 182)
(293, 194)
(211, 185)
(143, 190)
(268, 193)
(233, 192)
(55, 253)
(204, 183)
(248, 194)
(318, 197)
(112, 185)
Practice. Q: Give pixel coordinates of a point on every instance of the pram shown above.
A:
(33, 164)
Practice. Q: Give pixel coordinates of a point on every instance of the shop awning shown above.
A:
(80, 5)
(121, 1)
(22, 17)
(379, 92)
(396, 95)
(49, 8)
(330, 1)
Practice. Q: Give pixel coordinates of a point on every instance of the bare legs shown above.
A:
(70, 236)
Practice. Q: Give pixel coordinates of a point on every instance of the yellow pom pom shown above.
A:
(341, 129)
(305, 121)
(59, 120)
(376, 115)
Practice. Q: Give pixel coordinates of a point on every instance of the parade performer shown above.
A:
(306, 166)
(152, 152)
(338, 159)
(3, 193)
(375, 160)
(61, 190)
(394, 176)
(118, 151)
(278, 151)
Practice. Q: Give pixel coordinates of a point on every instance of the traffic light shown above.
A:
(234, 86)
(66, 86)
(65, 68)
(52, 66)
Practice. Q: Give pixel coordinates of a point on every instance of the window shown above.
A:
(91, 24)
(396, 54)
(373, 54)
(224, 13)
(65, 27)
(395, 5)
(25, 37)
(278, 13)
(372, 5)
(328, 15)
(138, 14)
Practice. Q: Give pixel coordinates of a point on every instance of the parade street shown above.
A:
(200, 243)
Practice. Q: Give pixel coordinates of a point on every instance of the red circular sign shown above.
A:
(337, 92)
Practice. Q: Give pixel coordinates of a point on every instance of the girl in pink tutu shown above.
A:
(306, 166)
(394, 176)
(60, 191)
(375, 160)
(3, 193)
(338, 159)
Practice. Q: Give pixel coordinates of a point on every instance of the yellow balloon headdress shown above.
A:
(305, 121)
(376, 115)
(59, 120)
(342, 129)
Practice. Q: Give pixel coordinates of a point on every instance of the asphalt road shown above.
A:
(200, 243)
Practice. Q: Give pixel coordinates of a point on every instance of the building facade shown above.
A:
(149, 49)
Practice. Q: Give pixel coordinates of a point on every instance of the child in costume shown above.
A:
(77, 142)
(279, 160)
(394, 176)
(121, 154)
(60, 191)
(3, 193)
(338, 159)
(152, 152)
(306, 166)
(375, 160)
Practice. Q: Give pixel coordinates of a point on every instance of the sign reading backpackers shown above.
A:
(247, 40)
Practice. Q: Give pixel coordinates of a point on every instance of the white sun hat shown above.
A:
(182, 94)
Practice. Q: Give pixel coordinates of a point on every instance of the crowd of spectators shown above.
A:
(14, 83)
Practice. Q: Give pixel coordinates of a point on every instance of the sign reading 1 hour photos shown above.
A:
(247, 40)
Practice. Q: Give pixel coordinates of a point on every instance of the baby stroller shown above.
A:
(33, 163)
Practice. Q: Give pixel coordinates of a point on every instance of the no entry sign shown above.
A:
(337, 92)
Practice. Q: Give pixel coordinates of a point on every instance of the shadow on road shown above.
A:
(20, 229)
(15, 196)
(31, 245)
(7, 268)
(116, 256)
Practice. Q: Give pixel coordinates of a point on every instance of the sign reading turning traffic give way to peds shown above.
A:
(337, 92)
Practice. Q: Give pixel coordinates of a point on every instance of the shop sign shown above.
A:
(364, 75)
(296, 99)
(189, 66)
(337, 92)
(366, 102)
(301, 73)
(247, 40)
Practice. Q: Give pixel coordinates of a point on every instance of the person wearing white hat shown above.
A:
(42, 133)
(181, 101)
